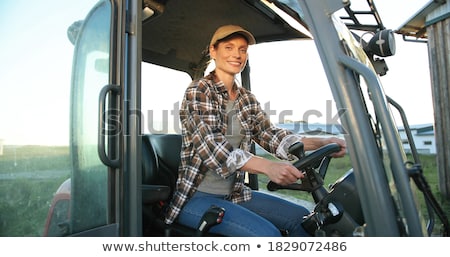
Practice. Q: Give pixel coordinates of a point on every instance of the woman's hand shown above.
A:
(282, 173)
(314, 143)
(341, 143)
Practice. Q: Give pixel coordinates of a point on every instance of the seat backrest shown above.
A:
(160, 159)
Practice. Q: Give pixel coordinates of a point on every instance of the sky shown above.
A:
(407, 81)
(35, 56)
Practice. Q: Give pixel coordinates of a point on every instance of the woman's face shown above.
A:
(231, 55)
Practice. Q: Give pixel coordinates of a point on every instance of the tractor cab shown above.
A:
(132, 62)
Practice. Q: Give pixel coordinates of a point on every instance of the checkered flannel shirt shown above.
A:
(205, 148)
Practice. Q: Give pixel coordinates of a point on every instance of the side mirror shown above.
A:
(73, 30)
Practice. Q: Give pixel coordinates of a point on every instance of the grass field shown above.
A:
(29, 177)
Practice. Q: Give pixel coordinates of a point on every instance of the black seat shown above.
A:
(160, 161)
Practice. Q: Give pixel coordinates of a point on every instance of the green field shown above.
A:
(29, 177)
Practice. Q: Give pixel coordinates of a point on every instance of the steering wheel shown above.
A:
(336, 212)
(319, 158)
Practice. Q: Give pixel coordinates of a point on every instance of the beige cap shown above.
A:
(225, 31)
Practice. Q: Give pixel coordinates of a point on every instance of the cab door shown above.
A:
(95, 130)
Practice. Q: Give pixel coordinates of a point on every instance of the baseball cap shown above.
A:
(225, 31)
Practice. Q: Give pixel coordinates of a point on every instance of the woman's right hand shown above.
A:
(280, 172)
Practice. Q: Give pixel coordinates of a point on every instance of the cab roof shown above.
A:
(177, 33)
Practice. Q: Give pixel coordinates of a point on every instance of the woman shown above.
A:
(219, 122)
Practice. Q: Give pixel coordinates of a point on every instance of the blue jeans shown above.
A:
(264, 215)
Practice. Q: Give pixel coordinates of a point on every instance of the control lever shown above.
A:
(213, 216)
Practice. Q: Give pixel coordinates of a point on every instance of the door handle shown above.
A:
(114, 163)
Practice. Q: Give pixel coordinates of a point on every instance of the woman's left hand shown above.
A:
(340, 142)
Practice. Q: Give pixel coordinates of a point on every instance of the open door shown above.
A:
(95, 120)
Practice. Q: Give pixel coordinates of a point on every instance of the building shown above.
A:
(431, 24)
(423, 134)
(423, 137)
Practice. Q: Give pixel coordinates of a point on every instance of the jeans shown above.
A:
(263, 216)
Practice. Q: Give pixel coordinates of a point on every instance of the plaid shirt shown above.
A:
(204, 146)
